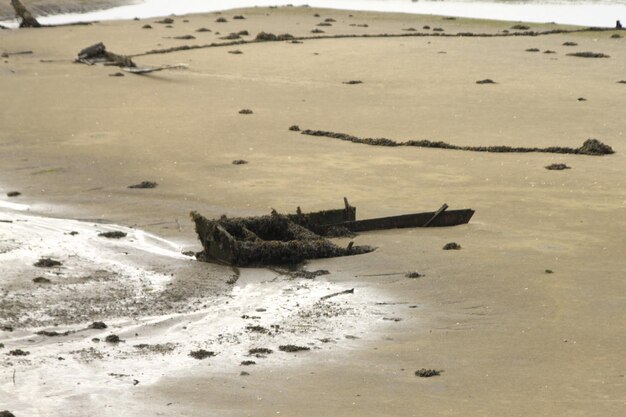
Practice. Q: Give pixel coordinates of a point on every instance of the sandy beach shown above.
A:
(525, 319)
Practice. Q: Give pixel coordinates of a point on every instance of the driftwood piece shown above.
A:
(326, 297)
(28, 21)
(148, 70)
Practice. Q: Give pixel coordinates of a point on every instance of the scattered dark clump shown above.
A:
(427, 373)
(243, 33)
(112, 338)
(294, 128)
(245, 111)
(413, 274)
(99, 325)
(189, 253)
(486, 81)
(231, 36)
(47, 263)
(166, 21)
(589, 55)
(201, 354)
(292, 348)
(557, 167)
(363, 25)
(146, 27)
(239, 162)
(265, 36)
(549, 271)
(260, 351)
(232, 279)
(329, 20)
(248, 363)
(532, 50)
(244, 373)
(144, 184)
(449, 18)
(351, 82)
(410, 30)
(113, 235)
(548, 51)
(117, 74)
(221, 20)
(451, 246)
(595, 147)
(520, 27)
(437, 29)
(239, 17)
(295, 41)
(14, 194)
(19, 352)
(616, 36)
(184, 37)
(6, 328)
(589, 147)
(426, 27)
(581, 99)
(308, 274)
(316, 30)
(256, 329)
(156, 348)
(235, 52)
(203, 30)
(316, 15)
(621, 82)
(41, 280)
(73, 233)
(51, 333)
(570, 44)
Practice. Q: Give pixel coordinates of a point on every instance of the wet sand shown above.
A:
(511, 338)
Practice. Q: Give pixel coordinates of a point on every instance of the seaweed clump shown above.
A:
(427, 373)
(266, 36)
(589, 147)
(589, 55)
(264, 240)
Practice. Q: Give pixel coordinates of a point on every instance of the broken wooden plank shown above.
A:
(326, 297)
(28, 21)
(437, 213)
(148, 70)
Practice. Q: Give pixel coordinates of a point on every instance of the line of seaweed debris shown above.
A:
(589, 147)
(269, 37)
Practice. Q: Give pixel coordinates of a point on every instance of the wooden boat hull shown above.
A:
(444, 219)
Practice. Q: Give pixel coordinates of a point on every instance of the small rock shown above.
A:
(294, 128)
(14, 194)
(427, 373)
(144, 184)
(203, 30)
(486, 81)
(41, 280)
(113, 235)
(112, 338)
(451, 246)
(117, 74)
(146, 27)
(221, 20)
(19, 352)
(238, 17)
(97, 325)
(47, 263)
(201, 354)
(166, 21)
(248, 363)
(293, 348)
(351, 82)
(239, 162)
(245, 111)
(557, 167)
(413, 274)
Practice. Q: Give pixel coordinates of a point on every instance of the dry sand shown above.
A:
(511, 339)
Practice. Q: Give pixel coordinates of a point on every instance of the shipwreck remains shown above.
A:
(290, 239)
(264, 240)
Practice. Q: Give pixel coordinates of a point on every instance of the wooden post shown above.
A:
(28, 21)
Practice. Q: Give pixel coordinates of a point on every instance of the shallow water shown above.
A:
(586, 13)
